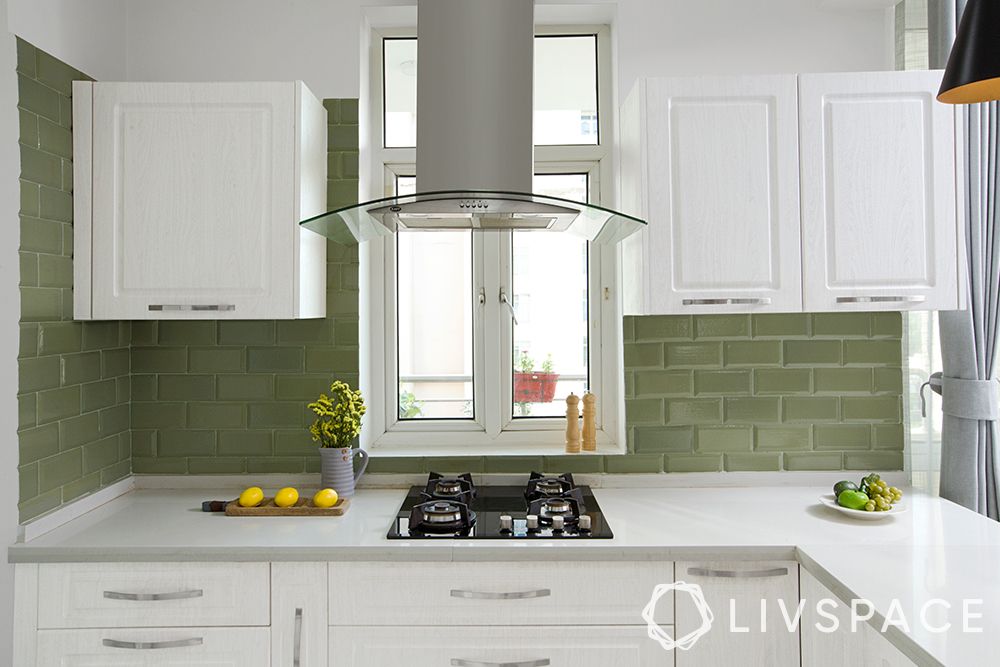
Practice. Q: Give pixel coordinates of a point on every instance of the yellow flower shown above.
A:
(338, 415)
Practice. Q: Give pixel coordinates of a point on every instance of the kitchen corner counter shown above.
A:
(935, 550)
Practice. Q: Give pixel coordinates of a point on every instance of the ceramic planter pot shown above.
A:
(336, 467)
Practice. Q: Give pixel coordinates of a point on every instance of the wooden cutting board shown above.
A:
(303, 507)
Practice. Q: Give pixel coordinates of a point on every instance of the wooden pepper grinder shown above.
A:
(589, 422)
(572, 424)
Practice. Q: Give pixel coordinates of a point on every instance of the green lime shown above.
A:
(851, 499)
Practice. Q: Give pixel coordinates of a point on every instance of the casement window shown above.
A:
(472, 341)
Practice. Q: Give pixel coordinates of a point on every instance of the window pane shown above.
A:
(565, 90)
(551, 356)
(434, 310)
(399, 76)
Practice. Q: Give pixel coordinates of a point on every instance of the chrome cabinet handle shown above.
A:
(215, 307)
(881, 299)
(297, 649)
(737, 574)
(146, 597)
(742, 301)
(143, 646)
(462, 662)
(516, 595)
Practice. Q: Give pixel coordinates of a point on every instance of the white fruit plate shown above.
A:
(830, 501)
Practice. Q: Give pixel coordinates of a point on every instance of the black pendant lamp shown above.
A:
(973, 71)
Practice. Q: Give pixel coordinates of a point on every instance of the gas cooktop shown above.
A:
(546, 507)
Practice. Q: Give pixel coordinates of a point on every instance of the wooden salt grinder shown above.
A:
(589, 422)
(572, 424)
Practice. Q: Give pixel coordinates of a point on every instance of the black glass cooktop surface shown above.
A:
(499, 512)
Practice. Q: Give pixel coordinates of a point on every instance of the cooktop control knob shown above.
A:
(532, 521)
(506, 523)
(584, 523)
(557, 523)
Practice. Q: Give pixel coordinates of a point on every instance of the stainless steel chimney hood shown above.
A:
(474, 136)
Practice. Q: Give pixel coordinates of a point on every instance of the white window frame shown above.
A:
(493, 432)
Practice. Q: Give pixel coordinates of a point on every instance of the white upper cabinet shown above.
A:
(879, 213)
(712, 165)
(717, 166)
(188, 198)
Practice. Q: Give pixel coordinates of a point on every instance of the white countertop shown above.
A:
(935, 550)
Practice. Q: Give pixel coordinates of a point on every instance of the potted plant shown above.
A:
(534, 386)
(336, 429)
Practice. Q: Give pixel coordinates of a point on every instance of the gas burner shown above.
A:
(441, 517)
(450, 507)
(569, 506)
(540, 486)
(460, 489)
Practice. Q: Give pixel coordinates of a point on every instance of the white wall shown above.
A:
(318, 40)
(89, 35)
(9, 296)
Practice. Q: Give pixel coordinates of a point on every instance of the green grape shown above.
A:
(870, 506)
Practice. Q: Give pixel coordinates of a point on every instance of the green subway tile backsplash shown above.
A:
(73, 418)
(790, 392)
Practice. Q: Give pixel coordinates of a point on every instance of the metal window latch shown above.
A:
(506, 301)
(482, 296)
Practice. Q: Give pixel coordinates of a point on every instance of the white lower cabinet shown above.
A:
(511, 646)
(829, 639)
(508, 593)
(746, 601)
(139, 595)
(298, 614)
(203, 647)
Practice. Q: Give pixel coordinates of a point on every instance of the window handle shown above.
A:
(506, 301)
(482, 296)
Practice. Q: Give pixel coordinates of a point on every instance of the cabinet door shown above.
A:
(476, 646)
(488, 593)
(880, 653)
(193, 200)
(841, 646)
(203, 647)
(879, 228)
(723, 195)
(747, 600)
(298, 614)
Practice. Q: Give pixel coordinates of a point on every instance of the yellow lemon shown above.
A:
(251, 497)
(325, 498)
(287, 497)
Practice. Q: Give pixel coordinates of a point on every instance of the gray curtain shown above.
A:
(969, 437)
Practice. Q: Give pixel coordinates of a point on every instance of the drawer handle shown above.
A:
(737, 574)
(147, 597)
(297, 649)
(216, 307)
(462, 662)
(747, 301)
(881, 299)
(143, 646)
(485, 595)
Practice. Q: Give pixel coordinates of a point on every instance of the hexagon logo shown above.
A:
(659, 635)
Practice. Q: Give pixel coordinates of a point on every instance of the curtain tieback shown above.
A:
(966, 399)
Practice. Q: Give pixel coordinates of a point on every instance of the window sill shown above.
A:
(437, 449)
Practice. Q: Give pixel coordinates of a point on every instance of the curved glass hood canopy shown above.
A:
(474, 151)
(449, 210)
